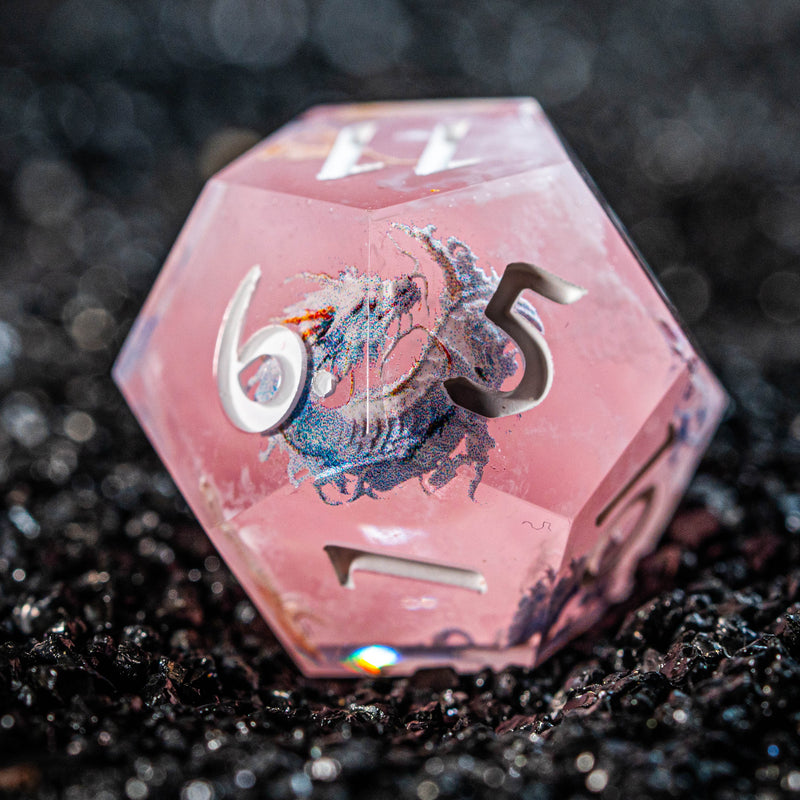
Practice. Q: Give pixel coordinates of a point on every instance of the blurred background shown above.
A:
(113, 114)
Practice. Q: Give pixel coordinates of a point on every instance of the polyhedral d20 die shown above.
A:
(414, 382)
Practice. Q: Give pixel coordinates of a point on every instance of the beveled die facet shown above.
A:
(411, 378)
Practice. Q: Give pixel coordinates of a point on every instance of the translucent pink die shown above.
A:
(415, 384)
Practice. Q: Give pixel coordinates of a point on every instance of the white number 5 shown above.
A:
(538, 376)
(279, 348)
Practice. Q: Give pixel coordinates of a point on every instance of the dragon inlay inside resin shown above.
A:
(391, 430)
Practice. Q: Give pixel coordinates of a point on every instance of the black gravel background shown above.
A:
(131, 663)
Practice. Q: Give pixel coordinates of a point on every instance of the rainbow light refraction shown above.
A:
(373, 658)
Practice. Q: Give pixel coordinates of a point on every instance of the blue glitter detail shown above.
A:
(390, 433)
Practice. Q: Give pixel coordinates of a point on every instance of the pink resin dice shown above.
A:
(407, 371)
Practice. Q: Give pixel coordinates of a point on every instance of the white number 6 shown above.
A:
(281, 345)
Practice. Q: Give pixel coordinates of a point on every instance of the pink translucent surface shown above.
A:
(563, 494)
(505, 136)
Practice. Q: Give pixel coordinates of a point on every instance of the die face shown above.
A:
(394, 153)
(292, 368)
(167, 369)
(623, 519)
(602, 346)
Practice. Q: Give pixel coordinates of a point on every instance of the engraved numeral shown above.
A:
(438, 153)
(538, 376)
(347, 560)
(347, 149)
(626, 519)
(646, 467)
(275, 342)
(342, 161)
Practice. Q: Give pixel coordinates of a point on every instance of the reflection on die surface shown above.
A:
(414, 383)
